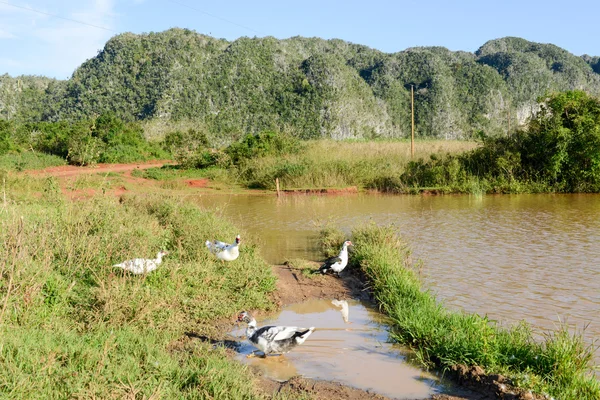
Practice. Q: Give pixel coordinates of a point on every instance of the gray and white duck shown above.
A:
(273, 339)
(139, 266)
(338, 263)
(224, 251)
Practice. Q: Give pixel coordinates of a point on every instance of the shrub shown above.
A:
(191, 149)
(263, 144)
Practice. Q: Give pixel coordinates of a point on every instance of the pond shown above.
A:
(349, 345)
(512, 257)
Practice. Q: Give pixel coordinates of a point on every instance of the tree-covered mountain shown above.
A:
(309, 87)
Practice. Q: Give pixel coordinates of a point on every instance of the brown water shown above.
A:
(348, 347)
(512, 257)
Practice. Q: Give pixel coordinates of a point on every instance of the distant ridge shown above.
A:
(309, 87)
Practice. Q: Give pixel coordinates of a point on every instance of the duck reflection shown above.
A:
(344, 305)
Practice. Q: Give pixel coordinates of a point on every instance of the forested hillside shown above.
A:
(309, 87)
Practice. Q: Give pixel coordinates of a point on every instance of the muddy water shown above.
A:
(531, 257)
(348, 346)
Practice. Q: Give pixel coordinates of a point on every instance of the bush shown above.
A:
(263, 144)
(84, 149)
(191, 149)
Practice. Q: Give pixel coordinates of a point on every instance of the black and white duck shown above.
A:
(224, 251)
(338, 263)
(142, 265)
(273, 339)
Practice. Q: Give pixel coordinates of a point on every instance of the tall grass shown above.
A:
(72, 326)
(560, 365)
(328, 163)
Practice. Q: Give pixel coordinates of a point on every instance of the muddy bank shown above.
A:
(346, 190)
(295, 285)
(322, 390)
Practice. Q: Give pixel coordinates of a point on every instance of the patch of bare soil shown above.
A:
(293, 286)
(317, 390)
(198, 183)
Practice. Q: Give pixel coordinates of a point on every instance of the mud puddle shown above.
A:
(349, 345)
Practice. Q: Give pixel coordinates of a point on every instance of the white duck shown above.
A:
(224, 251)
(142, 265)
(337, 264)
(274, 339)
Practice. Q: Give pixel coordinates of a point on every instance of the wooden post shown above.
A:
(412, 117)
(277, 185)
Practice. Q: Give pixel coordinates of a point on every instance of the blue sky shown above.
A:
(52, 38)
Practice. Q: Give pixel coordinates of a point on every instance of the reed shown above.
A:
(559, 365)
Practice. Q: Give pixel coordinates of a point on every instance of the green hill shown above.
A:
(309, 87)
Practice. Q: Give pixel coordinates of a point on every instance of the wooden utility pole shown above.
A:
(508, 132)
(412, 118)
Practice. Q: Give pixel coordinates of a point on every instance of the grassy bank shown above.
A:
(71, 326)
(559, 366)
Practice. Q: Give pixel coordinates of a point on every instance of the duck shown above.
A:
(224, 251)
(338, 263)
(139, 266)
(273, 339)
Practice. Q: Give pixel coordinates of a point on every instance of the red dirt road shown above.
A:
(72, 170)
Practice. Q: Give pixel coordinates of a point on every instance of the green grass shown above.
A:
(560, 365)
(336, 164)
(168, 172)
(28, 160)
(72, 326)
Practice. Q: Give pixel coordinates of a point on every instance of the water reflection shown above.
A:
(344, 308)
(360, 357)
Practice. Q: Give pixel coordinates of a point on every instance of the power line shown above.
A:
(217, 17)
(56, 16)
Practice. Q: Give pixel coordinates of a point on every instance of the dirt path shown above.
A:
(73, 170)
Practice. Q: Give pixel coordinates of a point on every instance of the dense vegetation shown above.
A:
(559, 151)
(104, 138)
(560, 365)
(71, 326)
(307, 87)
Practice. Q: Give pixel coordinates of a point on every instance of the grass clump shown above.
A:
(72, 326)
(559, 365)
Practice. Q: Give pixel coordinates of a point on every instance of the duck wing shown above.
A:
(329, 262)
(276, 333)
(216, 246)
(137, 265)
